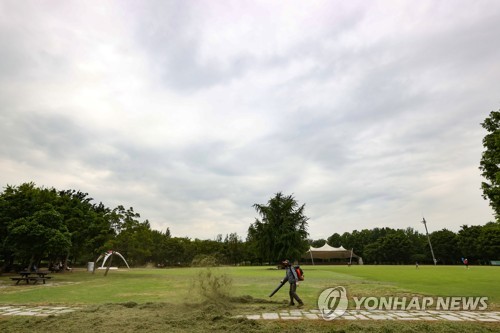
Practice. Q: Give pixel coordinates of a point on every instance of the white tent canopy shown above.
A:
(327, 252)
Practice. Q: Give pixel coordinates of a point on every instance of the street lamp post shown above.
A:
(429, 239)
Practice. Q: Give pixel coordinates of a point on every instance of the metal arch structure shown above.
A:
(109, 255)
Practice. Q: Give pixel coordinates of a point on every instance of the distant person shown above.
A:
(416, 265)
(293, 280)
(466, 263)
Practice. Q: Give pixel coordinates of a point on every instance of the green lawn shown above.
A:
(176, 285)
(158, 300)
(432, 281)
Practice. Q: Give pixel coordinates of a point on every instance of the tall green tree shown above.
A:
(373, 253)
(468, 243)
(282, 230)
(233, 246)
(445, 245)
(334, 240)
(19, 204)
(490, 162)
(134, 239)
(88, 224)
(42, 235)
(489, 241)
(396, 247)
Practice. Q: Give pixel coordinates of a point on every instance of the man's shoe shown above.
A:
(291, 304)
(300, 305)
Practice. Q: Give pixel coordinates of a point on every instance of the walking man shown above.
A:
(292, 278)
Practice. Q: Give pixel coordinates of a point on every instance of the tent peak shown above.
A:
(326, 247)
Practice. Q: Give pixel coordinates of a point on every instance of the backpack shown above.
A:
(300, 272)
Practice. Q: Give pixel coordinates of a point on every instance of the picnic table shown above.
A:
(32, 276)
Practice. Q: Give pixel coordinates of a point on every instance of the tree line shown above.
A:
(45, 225)
(49, 225)
(478, 243)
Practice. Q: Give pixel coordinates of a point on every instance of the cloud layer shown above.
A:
(191, 112)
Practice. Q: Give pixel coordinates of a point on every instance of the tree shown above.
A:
(158, 251)
(468, 242)
(282, 231)
(396, 247)
(233, 248)
(373, 253)
(134, 239)
(18, 206)
(445, 245)
(490, 162)
(419, 246)
(43, 234)
(489, 241)
(317, 242)
(87, 223)
(334, 240)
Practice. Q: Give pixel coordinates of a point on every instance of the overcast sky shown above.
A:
(368, 112)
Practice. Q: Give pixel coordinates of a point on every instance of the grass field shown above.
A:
(159, 297)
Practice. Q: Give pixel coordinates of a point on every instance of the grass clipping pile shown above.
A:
(214, 289)
(216, 311)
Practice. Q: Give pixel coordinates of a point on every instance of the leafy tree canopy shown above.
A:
(281, 233)
(490, 162)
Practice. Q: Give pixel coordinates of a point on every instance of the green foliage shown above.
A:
(334, 240)
(47, 224)
(317, 242)
(88, 223)
(468, 241)
(234, 249)
(40, 235)
(40, 223)
(489, 241)
(445, 245)
(490, 161)
(282, 232)
(134, 239)
(381, 245)
(479, 244)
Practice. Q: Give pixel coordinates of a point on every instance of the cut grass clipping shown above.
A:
(216, 299)
(214, 287)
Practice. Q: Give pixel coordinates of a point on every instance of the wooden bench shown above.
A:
(28, 279)
(36, 279)
(18, 279)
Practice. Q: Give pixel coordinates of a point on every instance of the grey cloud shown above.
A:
(171, 36)
(400, 134)
(55, 136)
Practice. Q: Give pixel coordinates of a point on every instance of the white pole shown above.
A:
(310, 252)
(350, 260)
(429, 239)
